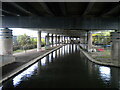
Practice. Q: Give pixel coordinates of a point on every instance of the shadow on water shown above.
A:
(66, 67)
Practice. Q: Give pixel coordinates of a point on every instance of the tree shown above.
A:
(102, 38)
(23, 41)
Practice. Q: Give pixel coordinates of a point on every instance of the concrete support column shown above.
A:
(64, 40)
(67, 39)
(39, 41)
(89, 39)
(84, 42)
(115, 51)
(52, 39)
(59, 39)
(70, 39)
(47, 41)
(6, 47)
(56, 39)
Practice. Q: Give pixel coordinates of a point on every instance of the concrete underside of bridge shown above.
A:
(72, 20)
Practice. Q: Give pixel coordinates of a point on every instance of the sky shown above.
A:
(21, 31)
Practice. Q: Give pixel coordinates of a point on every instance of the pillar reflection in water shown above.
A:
(47, 59)
(57, 53)
(50, 57)
(39, 67)
(66, 48)
(90, 67)
(74, 46)
(63, 50)
(9, 84)
(60, 51)
(54, 54)
(115, 78)
(43, 61)
(71, 50)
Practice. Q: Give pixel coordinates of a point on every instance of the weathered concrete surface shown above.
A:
(6, 59)
(82, 23)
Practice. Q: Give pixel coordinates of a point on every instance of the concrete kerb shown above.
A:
(23, 67)
(97, 62)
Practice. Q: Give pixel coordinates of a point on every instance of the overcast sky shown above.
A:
(20, 31)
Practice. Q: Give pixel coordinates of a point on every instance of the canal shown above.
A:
(66, 67)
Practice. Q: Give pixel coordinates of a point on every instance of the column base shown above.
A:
(6, 59)
(47, 47)
(117, 63)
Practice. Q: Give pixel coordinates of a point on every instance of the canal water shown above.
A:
(66, 67)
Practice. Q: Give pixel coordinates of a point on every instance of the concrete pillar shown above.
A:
(84, 42)
(115, 51)
(39, 41)
(47, 41)
(6, 47)
(59, 39)
(89, 39)
(56, 39)
(52, 39)
(67, 39)
(64, 40)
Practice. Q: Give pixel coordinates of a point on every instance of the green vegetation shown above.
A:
(25, 42)
(17, 51)
(102, 38)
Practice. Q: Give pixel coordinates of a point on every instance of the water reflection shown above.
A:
(63, 51)
(50, 57)
(105, 73)
(25, 74)
(43, 61)
(54, 54)
(0, 87)
(58, 53)
(47, 59)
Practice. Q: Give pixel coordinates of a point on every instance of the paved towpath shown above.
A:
(23, 58)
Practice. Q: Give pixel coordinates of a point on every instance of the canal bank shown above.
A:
(98, 62)
(24, 60)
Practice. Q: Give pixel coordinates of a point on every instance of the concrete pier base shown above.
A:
(115, 51)
(6, 59)
(6, 47)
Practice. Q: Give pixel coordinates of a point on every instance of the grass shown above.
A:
(104, 56)
(17, 51)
